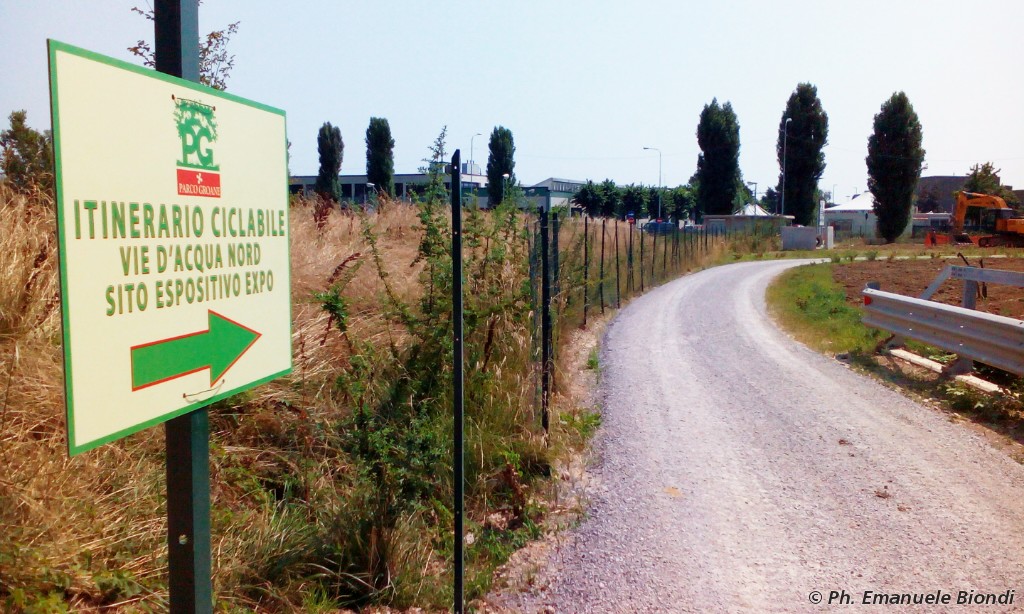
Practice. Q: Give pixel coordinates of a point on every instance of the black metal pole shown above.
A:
(545, 317)
(664, 258)
(675, 249)
(618, 291)
(187, 437)
(533, 246)
(629, 261)
(654, 257)
(600, 281)
(586, 266)
(642, 233)
(555, 254)
(457, 377)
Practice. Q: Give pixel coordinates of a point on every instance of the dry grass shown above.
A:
(87, 533)
(67, 520)
(68, 523)
(320, 257)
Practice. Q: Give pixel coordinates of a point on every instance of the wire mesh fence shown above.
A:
(597, 264)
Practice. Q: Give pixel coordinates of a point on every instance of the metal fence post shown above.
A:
(664, 258)
(642, 233)
(555, 255)
(629, 261)
(586, 266)
(457, 377)
(601, 274)
(654, 258)
(545, 317)
(618, 292)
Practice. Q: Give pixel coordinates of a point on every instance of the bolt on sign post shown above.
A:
(457, 378)
(172, 219)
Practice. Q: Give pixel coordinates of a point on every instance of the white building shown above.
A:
(855, 218)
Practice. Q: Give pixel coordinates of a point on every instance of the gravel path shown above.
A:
(739, 471)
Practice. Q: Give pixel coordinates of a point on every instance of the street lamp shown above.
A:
(834, 193)
(504, 185)
(785, 135)
(659, 177)
(471, 152)
(755, 196)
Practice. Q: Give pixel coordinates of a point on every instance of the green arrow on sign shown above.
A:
(217, 349)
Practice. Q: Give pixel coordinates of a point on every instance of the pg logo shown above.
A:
(197, 173)
(197, 129)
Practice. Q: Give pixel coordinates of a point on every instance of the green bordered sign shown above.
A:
(172, 216)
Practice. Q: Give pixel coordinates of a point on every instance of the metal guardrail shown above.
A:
(995, 340)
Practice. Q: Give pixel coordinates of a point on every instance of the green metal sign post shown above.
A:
(187, 436)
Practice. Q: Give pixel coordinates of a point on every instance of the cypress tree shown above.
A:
(718, 165)
(802, 145)
(500, 161)
(895, 158)
(380, 155)
(332, 150)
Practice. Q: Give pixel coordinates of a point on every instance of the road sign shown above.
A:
(172, 214)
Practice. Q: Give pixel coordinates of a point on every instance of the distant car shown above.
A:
(660, 228)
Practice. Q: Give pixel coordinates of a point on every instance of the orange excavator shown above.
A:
(997, 222)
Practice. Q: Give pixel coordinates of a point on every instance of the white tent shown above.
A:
(752, 209)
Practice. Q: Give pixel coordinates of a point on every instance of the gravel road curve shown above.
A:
(739, 471)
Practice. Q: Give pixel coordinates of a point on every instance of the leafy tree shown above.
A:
(380, 155)
(984, 179)
(802, 141)
(590, 198)
(718, 166)
(680, 202)
(928, 201)
(435, 193)
(215, 63)
(656, 206)
(770, 201)
(500, 161)
(895, 158)
(611, 199)
(332, 150)
(26, 155)
(634, 200)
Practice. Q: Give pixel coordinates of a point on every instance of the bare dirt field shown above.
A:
(911, 277)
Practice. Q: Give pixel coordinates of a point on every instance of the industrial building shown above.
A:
(552, 192)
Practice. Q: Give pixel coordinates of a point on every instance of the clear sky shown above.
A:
(584, 86)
